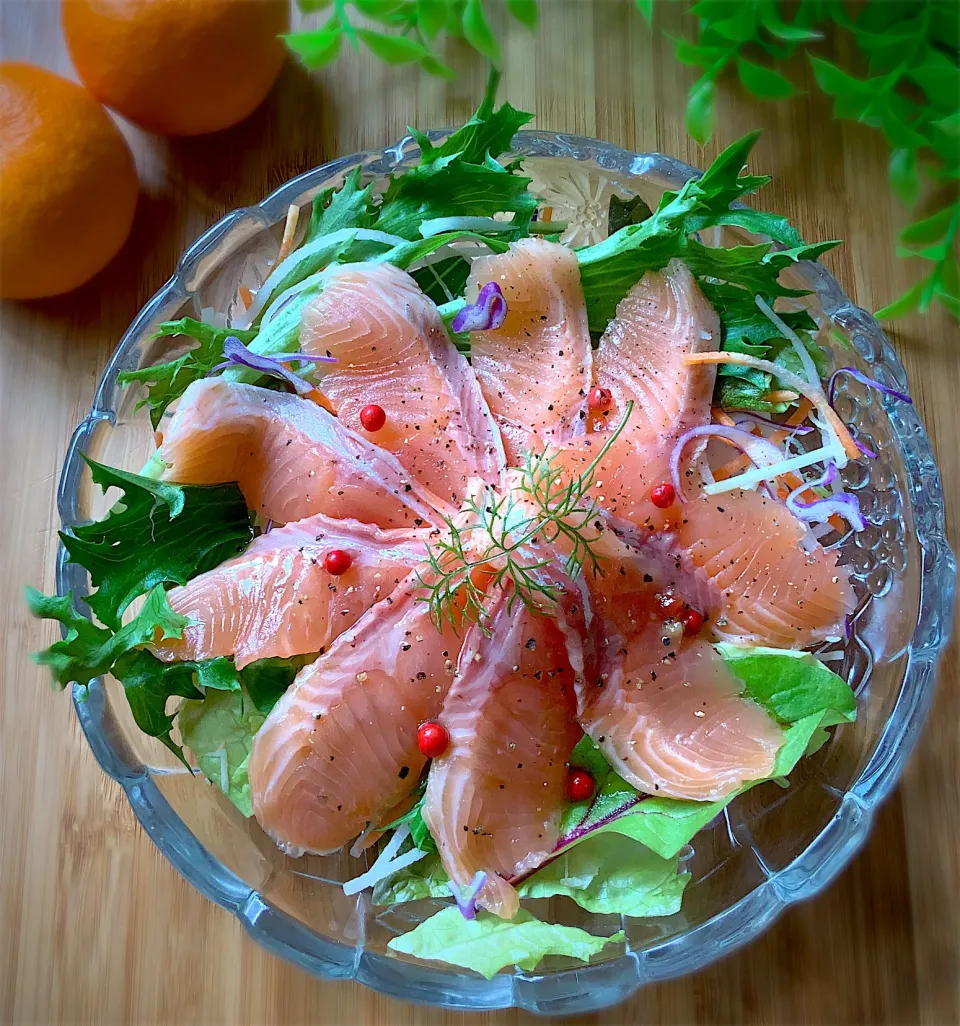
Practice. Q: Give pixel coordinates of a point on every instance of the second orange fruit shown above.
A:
(177, 67)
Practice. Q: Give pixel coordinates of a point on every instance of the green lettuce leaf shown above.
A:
(265, 680)
(424, 879)
(488, 133)
(487, 944)
(794, 687)
(168, 381)
(350, 206)
(611, 874)
(219, 729)
(731, 277)
(88, 651)
(158, 533)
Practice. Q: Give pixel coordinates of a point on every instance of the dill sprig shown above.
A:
(488, 545)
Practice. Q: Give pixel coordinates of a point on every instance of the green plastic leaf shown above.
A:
(219, 730)
(477, 33)
(525, 11)
(611, 874)
(950, 124)
(645, 7)
(168, 381)
(929, 229)
(393, 49)
(740, 27)
(904, 175)
(158, 533)
(836, 82)
(487, 944)
(316, 49)
(764, 83)
(789, 33)
(701, 116)
(902, 305)
(431, 16)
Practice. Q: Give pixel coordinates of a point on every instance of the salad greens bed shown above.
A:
(621, 852)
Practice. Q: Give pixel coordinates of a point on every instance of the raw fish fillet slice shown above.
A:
(340, 747)
(640, 359)
(672, 721)
(773, 592)
(534, 370)
(495, 799)
(664, 709)
(278, 600)
(393, 350)
(291, 458)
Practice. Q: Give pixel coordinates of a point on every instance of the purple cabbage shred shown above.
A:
(468, 905)
(486, 314)
(236, 354)
(864, 380)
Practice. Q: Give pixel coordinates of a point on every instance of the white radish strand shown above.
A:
(388, 862)
(751, 478)
(842, 447)
(806, 360)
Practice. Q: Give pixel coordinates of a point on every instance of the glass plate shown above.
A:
(770, 848)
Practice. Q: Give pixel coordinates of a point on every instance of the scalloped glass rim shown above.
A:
(595, 986)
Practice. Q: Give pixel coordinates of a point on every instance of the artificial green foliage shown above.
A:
(402, 31)
(904, 80)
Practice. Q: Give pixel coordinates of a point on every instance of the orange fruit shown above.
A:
(68, 185)
(177, 67)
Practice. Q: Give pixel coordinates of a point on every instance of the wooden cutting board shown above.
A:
(95, 927)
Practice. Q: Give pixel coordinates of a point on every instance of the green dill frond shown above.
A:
(491, 546)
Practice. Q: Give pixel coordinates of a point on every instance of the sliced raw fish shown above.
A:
(664, 709)
(392, 350)
(278, 600)
(340, 747)
(535, 370)
(291, 458)
(496, 796)
(774, 592)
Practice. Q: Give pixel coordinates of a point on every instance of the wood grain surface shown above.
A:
(95, 927)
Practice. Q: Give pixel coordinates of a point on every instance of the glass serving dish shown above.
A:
(770, 848)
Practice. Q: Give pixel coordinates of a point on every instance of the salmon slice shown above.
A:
(640, 360)
(494, 800)
(671, 719)
(393, 350)
(664, 709)
(640, 357)
(278, 600)
(534, 370)
(340, 747)
(774, 593)
(290, 458)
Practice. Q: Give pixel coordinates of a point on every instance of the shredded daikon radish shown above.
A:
(387, 863)
(806, 360)
(751, 478)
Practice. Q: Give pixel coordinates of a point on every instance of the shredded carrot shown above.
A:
(547, 214)
(781, 395)
(158, 438)
(735, 466)
(289, 230)
(814, 394)
(721, 417)
(801, 413)
(246, 296)
(316, 396)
